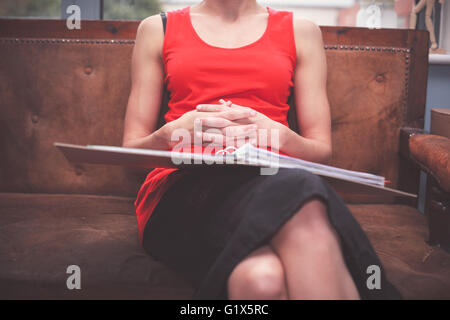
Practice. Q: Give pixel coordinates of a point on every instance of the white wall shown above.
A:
(444, 37)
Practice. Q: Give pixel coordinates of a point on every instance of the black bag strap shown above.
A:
(165, 96)
(164, 20)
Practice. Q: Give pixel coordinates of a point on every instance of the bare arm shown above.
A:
(313, 110)
(146, 88)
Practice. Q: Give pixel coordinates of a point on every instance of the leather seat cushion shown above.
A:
(42, 234)
(398, 234)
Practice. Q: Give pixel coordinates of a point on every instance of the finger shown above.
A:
(222, 141)
(215, 122)
(227, 103)
(236, 114)
(234, 105)
(237, 131)
(240, 140)
(218, 140)
(211, 137)
(211, 107)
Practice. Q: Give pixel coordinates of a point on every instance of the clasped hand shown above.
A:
(224, 124)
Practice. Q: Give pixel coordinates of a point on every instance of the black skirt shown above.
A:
(213, 217)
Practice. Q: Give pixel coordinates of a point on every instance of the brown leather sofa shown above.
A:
(73, 86)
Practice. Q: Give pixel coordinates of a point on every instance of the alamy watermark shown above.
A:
(74, 280)
(73, 21)
(374, 280)
(220, 149)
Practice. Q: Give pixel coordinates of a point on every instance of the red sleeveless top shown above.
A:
(258, 75)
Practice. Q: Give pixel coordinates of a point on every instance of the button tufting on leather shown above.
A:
(379, 78)
(35, 118)
(79, 170)
(88, 70)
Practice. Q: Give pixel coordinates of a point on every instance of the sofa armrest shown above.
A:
(432, 153)
(405, 135)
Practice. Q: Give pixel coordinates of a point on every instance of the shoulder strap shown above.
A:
(164, 20)
(165, 95)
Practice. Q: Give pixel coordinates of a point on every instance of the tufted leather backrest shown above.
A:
(73, 87)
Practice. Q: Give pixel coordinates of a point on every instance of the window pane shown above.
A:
(130, 9)
(30, 8)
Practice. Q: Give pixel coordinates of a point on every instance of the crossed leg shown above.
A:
(302, 261)
(259, 276)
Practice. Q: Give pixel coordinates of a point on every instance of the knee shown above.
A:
(262, 281)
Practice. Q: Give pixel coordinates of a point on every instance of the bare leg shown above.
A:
(310, 252)
(259, 276)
